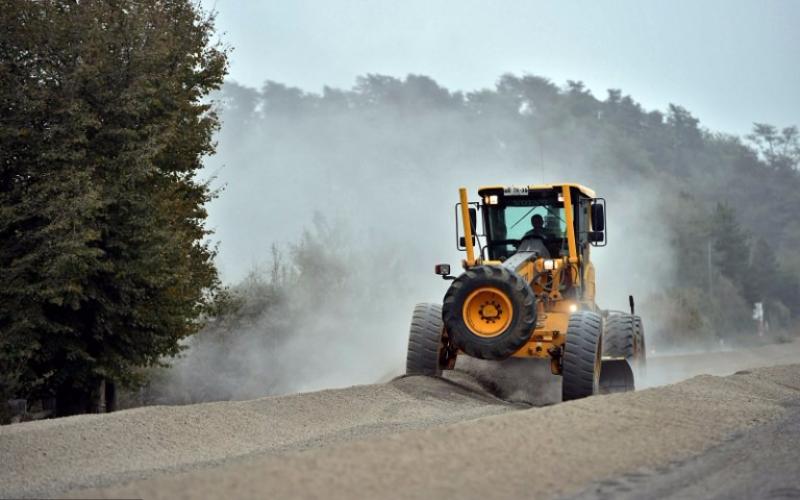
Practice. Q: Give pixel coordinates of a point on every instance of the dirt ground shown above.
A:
(762, 462)
(411, 438)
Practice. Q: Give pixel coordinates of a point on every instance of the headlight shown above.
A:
(573, 308)
(442, 269)
(549, 264)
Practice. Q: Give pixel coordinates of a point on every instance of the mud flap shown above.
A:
(616, 375)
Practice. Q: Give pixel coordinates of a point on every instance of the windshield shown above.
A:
(509, 223)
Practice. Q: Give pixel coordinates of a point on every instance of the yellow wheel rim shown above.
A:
(487, 312)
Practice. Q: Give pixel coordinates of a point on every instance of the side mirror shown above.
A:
(596, 236)
(473, 220)
(598, 217)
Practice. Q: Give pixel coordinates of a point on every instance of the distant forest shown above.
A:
(740, 195)
(704, 222)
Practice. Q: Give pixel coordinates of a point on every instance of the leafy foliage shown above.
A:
(103, 267)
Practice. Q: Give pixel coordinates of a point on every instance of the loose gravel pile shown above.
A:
(413, 437)
(46, 457)
(539, 452)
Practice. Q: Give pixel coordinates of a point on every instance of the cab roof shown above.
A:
(541, 187)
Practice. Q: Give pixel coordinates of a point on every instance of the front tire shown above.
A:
(489, 312)
(427, 352)
(582, 354)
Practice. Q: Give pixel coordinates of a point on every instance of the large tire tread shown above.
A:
(425, 341)
(523, 320)
(581, 363)
(619, 338)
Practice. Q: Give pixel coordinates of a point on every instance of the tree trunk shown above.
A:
(72, 401)
(111, 396)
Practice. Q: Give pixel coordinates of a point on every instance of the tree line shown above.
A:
(725, 202)
(332, 308)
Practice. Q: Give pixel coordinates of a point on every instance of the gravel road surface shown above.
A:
(415, 437)
(761, 463)
(51, 456)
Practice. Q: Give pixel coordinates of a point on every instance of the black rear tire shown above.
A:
(523, 320)
(623, 338)
(426, 341)
(581, 359)
(620, 337)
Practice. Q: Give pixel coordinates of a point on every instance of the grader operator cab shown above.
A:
(529, 292)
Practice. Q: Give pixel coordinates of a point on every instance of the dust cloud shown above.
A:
(374, 194)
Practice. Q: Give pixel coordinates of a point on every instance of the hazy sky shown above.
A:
(730, 62)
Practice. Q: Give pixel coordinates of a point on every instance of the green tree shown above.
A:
(764, 275)
(103, 264)
(781, 150)
(731, 245)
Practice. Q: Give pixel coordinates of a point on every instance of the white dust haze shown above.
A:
(385, 183)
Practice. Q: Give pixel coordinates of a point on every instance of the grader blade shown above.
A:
(616, 375)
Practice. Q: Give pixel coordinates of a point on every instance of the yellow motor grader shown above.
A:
(528, 290)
